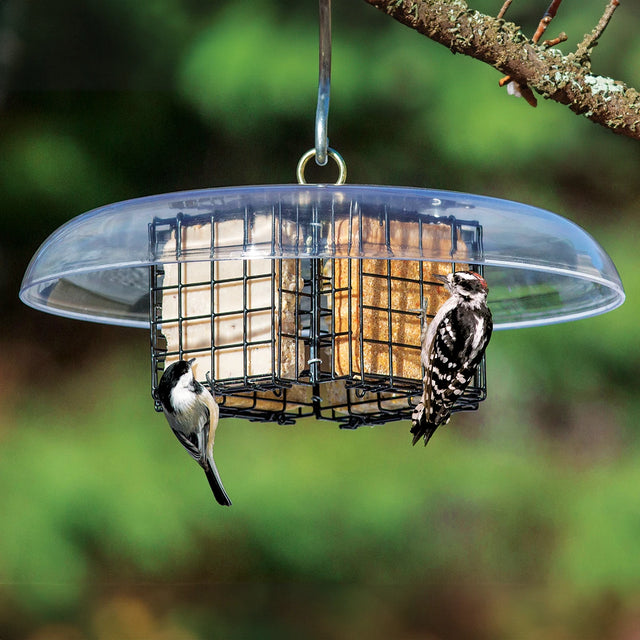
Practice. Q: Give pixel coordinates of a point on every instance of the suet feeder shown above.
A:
(306, 300)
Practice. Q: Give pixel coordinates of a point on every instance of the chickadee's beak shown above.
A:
(191, 361)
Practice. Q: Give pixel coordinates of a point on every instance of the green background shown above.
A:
(519, 520)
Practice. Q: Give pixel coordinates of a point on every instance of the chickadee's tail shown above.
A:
(215, 483)
(422, 428)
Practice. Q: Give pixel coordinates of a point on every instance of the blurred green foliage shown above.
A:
(520, 520)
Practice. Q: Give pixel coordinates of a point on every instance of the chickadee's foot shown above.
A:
(209, 381)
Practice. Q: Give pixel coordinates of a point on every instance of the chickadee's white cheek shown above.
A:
(182, 398)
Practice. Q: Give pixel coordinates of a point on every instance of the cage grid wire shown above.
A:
(336, 338)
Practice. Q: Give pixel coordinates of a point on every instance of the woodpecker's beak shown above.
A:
(191, 361)
(440, 277)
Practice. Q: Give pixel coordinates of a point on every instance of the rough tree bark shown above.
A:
(567, 79)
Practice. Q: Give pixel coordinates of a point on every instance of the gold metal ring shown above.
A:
(332, 153)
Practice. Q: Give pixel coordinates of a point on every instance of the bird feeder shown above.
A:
(304, 300)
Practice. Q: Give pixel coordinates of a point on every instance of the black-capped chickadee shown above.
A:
(193, 416)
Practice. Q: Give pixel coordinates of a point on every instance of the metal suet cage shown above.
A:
(286, 338)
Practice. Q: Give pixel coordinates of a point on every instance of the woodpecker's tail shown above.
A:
(215, 483)
(422, 427)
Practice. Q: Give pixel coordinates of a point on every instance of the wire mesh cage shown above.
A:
(337, 338)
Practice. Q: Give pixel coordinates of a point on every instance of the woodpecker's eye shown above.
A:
(464, 282)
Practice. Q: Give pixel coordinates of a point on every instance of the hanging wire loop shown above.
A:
(331, 153)
(324, 83)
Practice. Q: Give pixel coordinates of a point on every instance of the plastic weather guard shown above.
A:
(541, 268)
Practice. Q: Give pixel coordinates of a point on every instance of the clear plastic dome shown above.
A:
(540, 267)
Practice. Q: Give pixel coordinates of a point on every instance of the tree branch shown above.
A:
(566, 79)
(591, 39)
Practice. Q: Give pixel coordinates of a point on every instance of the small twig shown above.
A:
(502, 11)
(554, 41)
(591, 39)
(522, 90)
(549, 15)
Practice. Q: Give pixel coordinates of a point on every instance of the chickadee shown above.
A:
(452, 347)
(193, 416)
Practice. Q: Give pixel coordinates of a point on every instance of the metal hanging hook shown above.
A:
(322, 151)
(324, 83)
